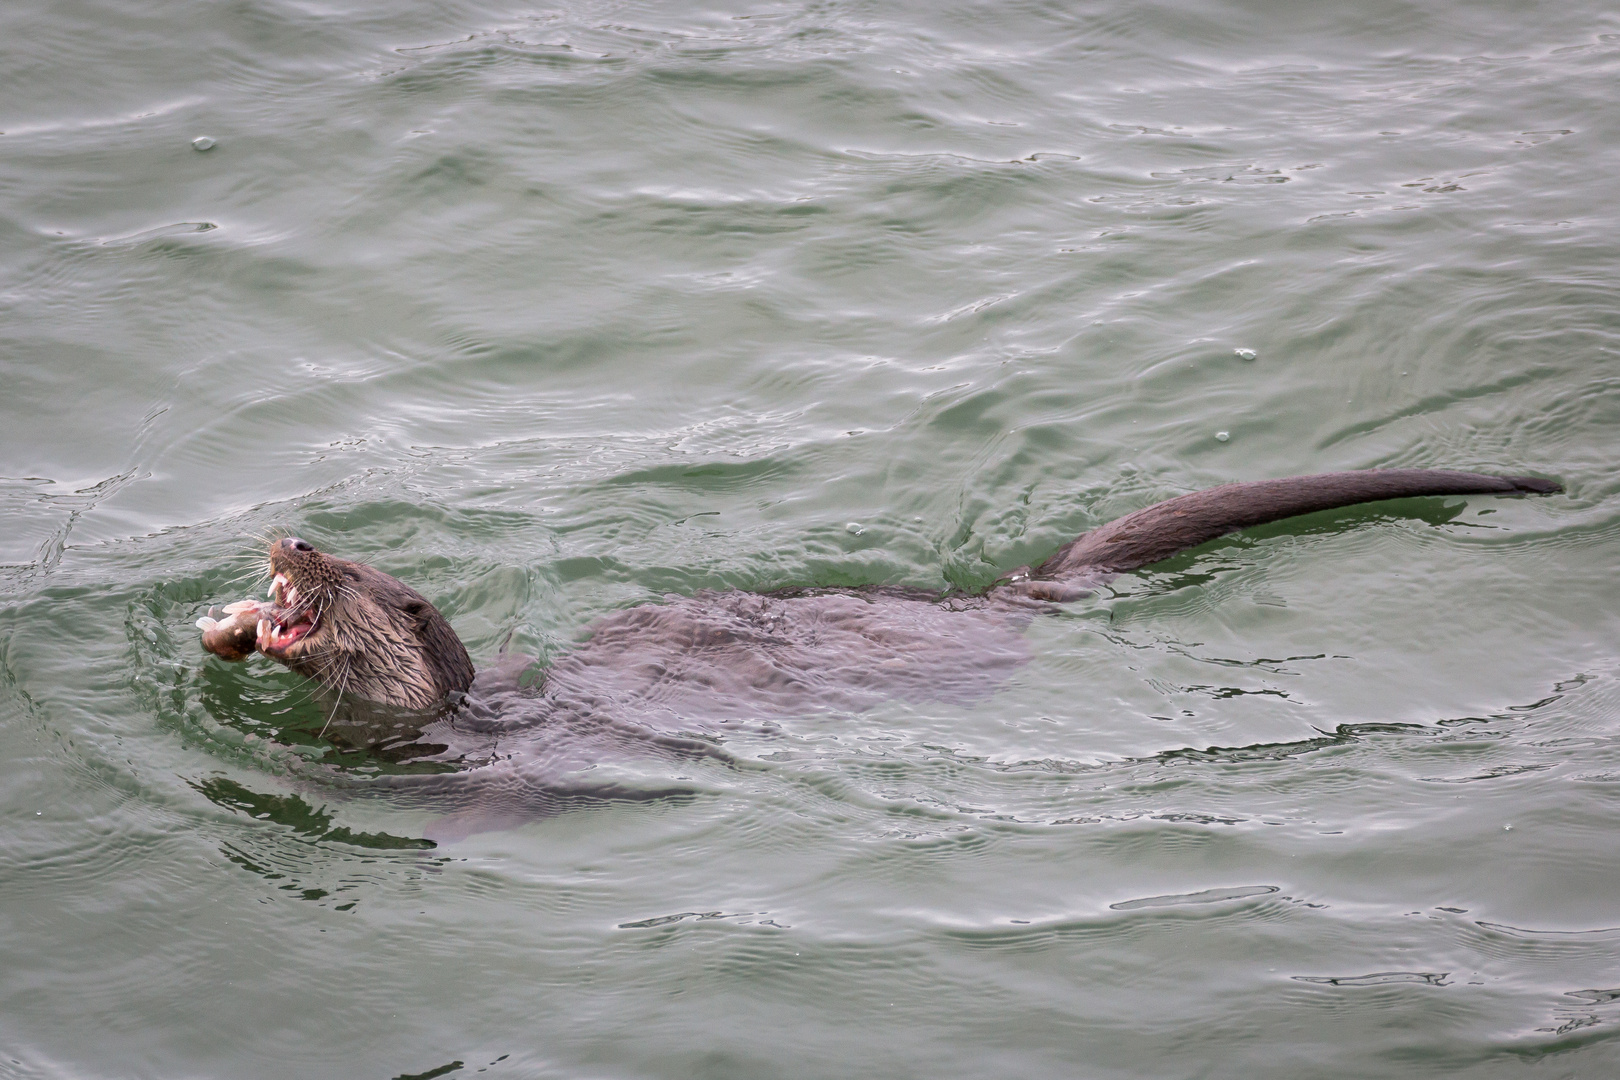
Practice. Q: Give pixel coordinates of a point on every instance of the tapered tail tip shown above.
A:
(1535, 485)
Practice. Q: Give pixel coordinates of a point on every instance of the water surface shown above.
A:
(551, 311)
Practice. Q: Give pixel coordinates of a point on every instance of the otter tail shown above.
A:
(1156, 533)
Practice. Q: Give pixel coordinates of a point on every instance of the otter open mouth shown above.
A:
(289, 621)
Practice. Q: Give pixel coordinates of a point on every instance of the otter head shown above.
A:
(359, 631)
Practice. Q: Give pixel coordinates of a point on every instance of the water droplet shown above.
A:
(202, 142)
(1222, 436)
(1244, 354)
(854, 528)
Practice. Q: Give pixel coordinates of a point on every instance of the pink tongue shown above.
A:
(286, 635)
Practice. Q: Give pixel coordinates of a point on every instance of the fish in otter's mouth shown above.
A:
(352, 628)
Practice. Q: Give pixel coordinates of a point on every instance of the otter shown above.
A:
(347, 626)
(366, 635)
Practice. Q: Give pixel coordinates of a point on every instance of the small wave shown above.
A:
(1207, 896)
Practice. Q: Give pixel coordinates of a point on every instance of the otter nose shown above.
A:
(293, 543)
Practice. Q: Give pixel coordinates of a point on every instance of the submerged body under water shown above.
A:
(664, 680)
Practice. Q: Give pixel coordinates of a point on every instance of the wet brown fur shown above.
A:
(724, 653)
(375, 637)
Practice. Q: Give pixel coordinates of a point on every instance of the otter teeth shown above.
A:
(276, 634)
(280, 582)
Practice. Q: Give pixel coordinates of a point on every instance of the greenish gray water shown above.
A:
(551, 311)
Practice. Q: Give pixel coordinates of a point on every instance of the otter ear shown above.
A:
(418, 610)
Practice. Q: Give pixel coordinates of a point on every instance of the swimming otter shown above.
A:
(725, 654)
(350, 627)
